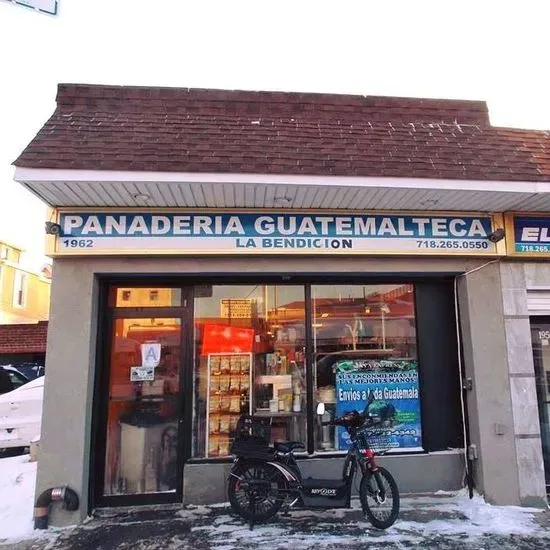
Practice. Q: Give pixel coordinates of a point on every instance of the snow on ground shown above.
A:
(475, 517)
(422, 518)
(454, 515)
(17, 480)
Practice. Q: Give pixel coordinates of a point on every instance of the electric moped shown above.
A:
(264, 478)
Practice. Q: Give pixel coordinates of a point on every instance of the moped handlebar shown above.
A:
(352, 418)
(349, 419)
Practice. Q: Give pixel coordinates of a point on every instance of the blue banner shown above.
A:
(531, 234)
(396, 405)
(272, 232)
(117, 224)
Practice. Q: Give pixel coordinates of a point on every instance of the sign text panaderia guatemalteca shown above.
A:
(272, 232)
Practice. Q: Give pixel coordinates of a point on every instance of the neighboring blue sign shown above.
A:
(271, 232)
(531, 234)
(397, 404)
(44, 6)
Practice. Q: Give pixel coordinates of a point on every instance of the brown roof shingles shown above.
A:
(24, 338)
(191, 130)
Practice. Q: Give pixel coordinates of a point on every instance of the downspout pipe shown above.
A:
(48, 497)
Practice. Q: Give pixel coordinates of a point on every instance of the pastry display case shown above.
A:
(228, 396)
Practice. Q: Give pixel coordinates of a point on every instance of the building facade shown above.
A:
(24, 293)
(24, 344)
(239, 252)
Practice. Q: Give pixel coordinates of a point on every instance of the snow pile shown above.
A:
(17, 480)
(475, 517)
(500, 520)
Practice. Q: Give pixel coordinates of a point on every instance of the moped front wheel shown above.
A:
(379, 498)
(256, 490)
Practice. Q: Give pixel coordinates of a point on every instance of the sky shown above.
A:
(495, 51)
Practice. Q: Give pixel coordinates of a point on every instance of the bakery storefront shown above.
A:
(225, 252)
(182, 356)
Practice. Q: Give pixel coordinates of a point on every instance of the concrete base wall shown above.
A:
(68, 390)
(207, 483)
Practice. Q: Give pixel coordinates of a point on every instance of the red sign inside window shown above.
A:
(227, 339)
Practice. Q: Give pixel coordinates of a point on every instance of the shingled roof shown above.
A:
(194, 130)
(23, 338)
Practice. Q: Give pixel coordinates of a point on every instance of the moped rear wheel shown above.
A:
(379, 498)
(256, 491)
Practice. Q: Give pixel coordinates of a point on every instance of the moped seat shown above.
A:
(288, 446)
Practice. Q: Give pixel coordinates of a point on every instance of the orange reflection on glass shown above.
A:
(142, 413)
(144, 297)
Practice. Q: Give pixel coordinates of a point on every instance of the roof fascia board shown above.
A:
(23, 175)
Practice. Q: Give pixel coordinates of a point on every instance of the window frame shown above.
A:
(108, 314)
(311, 308)
(193, 284)
(310, 402)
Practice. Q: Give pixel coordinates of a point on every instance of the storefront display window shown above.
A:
(144, 372)
(249, 358)
(364, 338)
(258, 349)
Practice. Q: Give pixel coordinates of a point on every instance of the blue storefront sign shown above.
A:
(531, 235)
(394, 384)
(272, 232)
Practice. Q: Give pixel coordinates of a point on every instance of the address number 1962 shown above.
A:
(78, 243)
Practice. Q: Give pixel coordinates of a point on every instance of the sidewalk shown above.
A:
(451, 522)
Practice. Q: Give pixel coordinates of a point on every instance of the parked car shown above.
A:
(11, 379)
(21, 414)
(29, 370)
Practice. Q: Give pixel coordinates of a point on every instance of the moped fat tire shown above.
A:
(256, 490)
(379, 498)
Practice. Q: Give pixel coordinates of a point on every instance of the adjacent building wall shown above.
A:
(498, 357)
(36, 301)
(72, 340)
(489, 401)
(519, 278)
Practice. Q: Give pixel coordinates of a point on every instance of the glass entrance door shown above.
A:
(140, 447)
(540, 335)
